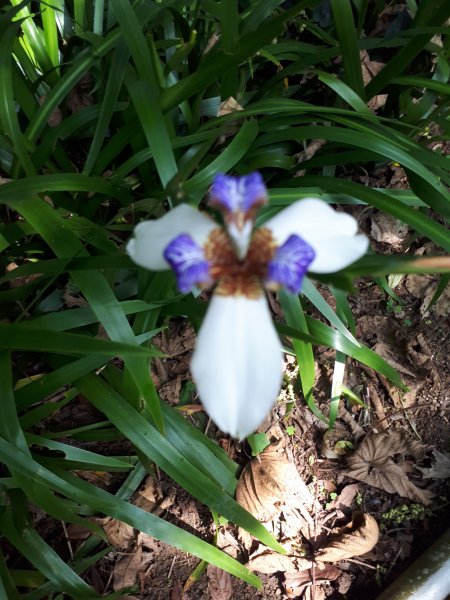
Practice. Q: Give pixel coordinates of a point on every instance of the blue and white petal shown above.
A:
(188, 261)
(238, 194)
(237, 363)
(289, 264)
(151, 238)
(332, 235)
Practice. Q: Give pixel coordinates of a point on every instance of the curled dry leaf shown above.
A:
(372, 463)
(330, 447)
(220, 583)
(119, 534)
(295, 583)
(262, 485)
(269, 562)
(356, 538)
(389, 230)
(229, 106)
(126, 569)
(440, 469)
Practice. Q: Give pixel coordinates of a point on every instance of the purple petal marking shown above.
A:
(290, 263)
(238, 194)
(188, 261)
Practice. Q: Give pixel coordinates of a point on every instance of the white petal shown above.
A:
(151, 237)
(336, 252)
(332, 235)
(237, 363)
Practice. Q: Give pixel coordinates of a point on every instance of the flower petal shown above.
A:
(289, 264)
(332, 235)
(237, 363)
(238, 194)
(188, 261)
(152, 237)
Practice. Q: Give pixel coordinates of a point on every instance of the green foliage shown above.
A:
(109, 114)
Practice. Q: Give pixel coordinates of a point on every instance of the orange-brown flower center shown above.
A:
(234, 276)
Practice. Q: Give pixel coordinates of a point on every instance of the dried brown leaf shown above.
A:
(220, 583)
(440, 469)
(263, 483)
(56, 116)
(149, 496)
(271, 562)
(119, 534)
(80, 96)
(126, 569)
(346, 497)
(296, 582)
(356, 538)
(372, 463)
(389, 230)
(369, 69)
(229, 106)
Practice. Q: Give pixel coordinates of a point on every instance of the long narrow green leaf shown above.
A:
(97, 291)
(83, 492)
(33, 548)
(348, 43)
(8, 115)
(293, 313)
(147, 439)
(18, 337)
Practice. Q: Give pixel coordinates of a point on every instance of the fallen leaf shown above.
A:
(295, 583)
(356, 538)
(369, 69)
(80, 96)
(149, 496)
(423, 287)
(388, 230)
(440, 469)
(126, 569)
(220, 584)
(346, 496)
(263, 483)
(330, 439)
(56, 116)
(228, 106)
(372, 463)
(269, 562)
(119, 534)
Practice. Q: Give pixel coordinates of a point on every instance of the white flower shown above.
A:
(237, 361)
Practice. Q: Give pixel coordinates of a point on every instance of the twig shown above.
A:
(377, 405)
(171, 568)
(69, 545)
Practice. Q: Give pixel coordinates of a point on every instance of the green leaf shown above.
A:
(81, 491)
(348, 43)
(152, 444)
(257, 442)
(295, 317)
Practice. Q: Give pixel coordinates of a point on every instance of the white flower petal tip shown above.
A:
(237, 363)
(332, 235)
(152, 237)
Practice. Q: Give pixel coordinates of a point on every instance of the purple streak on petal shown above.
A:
(290, 263)
(255, 191)
(238, 194)
(188, 261)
